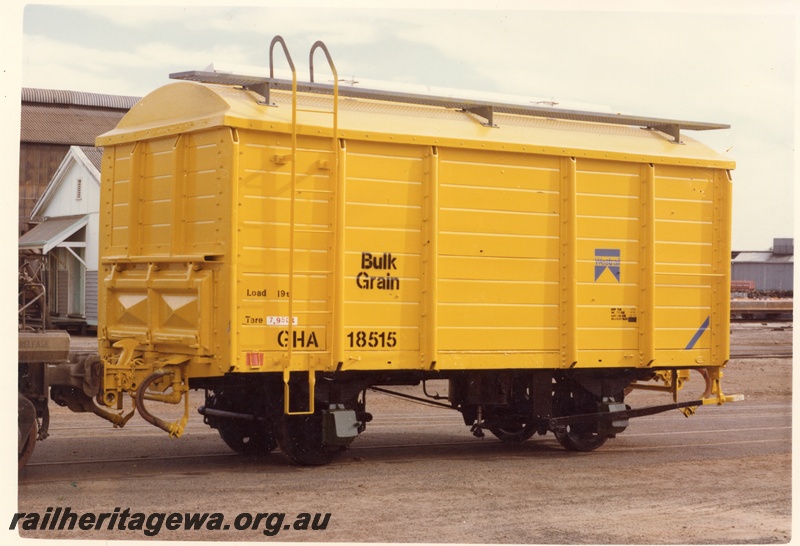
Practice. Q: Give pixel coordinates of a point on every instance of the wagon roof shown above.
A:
(189, 106)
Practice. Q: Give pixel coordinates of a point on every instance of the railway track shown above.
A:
(752, 356)
(394, 423)
(748, 310)
(474, 446)
(749, 341)
(760, 340)
(709, 471)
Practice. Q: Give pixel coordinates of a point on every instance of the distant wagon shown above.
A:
(289, 246)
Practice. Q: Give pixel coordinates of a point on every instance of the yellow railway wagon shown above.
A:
(287, 247)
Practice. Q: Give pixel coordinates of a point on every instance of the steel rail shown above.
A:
(483, 443)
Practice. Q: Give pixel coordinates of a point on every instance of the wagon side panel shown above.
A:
(498, 265)
(285, 251)
(692, 260)
(610, 262)
(383, 254)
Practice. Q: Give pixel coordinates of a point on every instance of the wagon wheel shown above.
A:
(27, 443)
(571, 399)
(247, 437)
(27, 431)
(300, 439)
(515, 426)
(513, 433)
(581, 437)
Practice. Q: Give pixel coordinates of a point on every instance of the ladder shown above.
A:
(333, 165)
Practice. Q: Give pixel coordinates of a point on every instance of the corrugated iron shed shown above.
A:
(783, 246)
(52, 121)
(78, 98)
(69, 117)
(770, 270)
(763, 258)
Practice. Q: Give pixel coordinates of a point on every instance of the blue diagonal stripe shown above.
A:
(698, 334)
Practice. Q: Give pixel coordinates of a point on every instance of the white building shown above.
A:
(65, 240)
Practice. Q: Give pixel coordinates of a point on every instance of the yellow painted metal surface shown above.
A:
(406, 237)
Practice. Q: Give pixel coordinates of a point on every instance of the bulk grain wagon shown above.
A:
(288, 246)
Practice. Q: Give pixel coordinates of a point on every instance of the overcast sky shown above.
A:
(726, 62)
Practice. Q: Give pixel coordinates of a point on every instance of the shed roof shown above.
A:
(69, 117)
(94, 155)
(765, 257)
(52, 232)
(78, 98)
